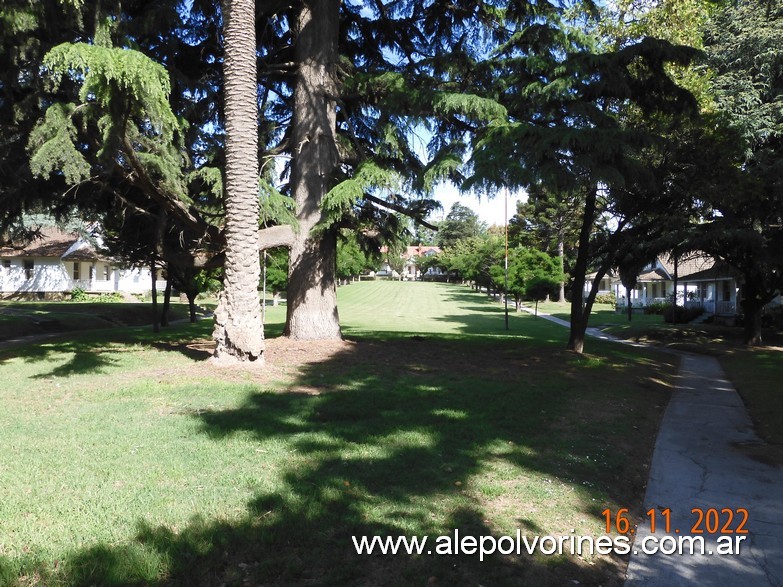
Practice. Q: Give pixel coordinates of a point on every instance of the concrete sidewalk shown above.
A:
(698, 463)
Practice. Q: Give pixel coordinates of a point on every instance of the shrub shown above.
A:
(606, 298)
(110, 297)
(79, 295)
(657, 308)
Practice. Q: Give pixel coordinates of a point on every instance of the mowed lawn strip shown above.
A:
(18, 319)
(133, 461)
(755, 373)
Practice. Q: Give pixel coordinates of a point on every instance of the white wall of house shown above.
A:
(55, 275)
(33, 275)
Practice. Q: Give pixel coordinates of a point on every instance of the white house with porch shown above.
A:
(57, 263)
(701, 282)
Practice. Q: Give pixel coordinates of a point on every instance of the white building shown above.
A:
(57, 263)
(702, 282)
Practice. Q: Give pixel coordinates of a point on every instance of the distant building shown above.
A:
(411, 269)
(55, 264)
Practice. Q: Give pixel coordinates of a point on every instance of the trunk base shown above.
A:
(235, 341)
(314, 319)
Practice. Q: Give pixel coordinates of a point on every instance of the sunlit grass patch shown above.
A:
(130, 461)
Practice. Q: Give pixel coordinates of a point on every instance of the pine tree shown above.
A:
(744, 43)
(572, 129)
(550, 223)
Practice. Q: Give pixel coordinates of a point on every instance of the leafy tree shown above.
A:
(351, 260)
(532, 274)
(744, 43)
(548, 222)
(461, 259)
(28, 30)
(461, 223)
(422, 235)
(572, 128)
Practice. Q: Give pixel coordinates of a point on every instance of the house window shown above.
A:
(76, 273)
(106, 273)
(7, 263)
(29, 268)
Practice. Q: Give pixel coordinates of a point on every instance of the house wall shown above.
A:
(48, 275)
(52, 275)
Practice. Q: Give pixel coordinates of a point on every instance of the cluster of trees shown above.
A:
(473, 253)
(200, 133)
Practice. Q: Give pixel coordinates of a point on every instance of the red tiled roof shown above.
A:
(419, 250)
(414, 250)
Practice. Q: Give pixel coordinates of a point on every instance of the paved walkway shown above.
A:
(697, 464)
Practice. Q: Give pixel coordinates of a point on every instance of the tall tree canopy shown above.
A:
(744, 44)
(365, 107)
(460, 223)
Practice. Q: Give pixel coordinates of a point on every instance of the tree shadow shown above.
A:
(402, 438)
(96, 352)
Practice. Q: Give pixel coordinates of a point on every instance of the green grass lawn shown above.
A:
(18, 319)
(754, 372)
(607, 319)
(128, 459)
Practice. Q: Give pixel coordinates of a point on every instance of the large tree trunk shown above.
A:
(312, 294)
(238, 329)
(752, 306)
(191, 295)
(579, 314)
(154, 294)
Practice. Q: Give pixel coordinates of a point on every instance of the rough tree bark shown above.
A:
(312, 295)
(238, 329)
(581, 307)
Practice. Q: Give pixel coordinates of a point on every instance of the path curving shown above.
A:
(698, 463)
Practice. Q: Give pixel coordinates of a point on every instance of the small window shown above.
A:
(106, 273)
(7, 263)
(29, 268)
(76, 273)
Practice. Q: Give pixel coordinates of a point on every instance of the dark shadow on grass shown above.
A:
(97, 351)
(390, 437)
(387, 438)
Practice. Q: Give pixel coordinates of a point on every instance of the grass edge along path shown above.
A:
(134, 462)
(754, 372)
